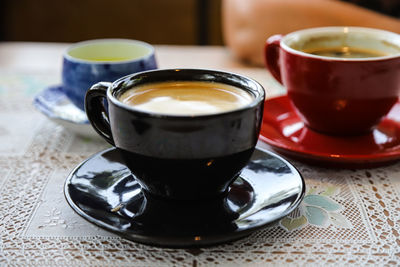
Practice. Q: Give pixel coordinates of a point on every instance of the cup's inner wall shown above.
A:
(386, 43)
(110, 51)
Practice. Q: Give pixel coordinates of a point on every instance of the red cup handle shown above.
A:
(271, 52)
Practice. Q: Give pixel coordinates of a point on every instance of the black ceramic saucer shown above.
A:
(103, 191)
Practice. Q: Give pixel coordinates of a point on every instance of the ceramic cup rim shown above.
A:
(67, 56)
(340, 29)
(258, 93)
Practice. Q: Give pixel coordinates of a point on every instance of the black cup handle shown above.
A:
(97, 112)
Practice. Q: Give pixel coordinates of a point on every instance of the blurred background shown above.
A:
(182, 22)
(247, 23)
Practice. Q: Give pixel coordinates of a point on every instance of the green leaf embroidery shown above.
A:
(317, 216)
(339, 220)
(311, 191)
(292, 224)
(330, 190)
(322, 202)
(86, 139)
(319, 210)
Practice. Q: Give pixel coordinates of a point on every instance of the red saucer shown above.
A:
(283, 129)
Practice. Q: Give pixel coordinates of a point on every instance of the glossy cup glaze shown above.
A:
(339, 96)
(88, 62)
(179, 157)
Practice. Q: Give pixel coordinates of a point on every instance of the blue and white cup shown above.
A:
(88, 62)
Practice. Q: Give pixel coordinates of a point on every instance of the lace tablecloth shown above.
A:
(348, 217)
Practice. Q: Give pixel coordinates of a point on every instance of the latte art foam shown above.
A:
(186, 98)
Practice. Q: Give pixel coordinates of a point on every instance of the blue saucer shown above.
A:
(53, 103)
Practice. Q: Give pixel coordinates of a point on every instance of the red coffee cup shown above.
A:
(341, 80)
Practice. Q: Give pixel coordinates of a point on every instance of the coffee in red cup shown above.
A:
(341, 80)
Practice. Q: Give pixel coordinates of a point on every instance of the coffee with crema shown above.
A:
(186, 98)
(344, 52)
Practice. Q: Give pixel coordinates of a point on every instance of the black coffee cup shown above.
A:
(179, 156)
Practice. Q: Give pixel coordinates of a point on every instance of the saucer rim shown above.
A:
(315, 155)
(38, 104)
(184, 242)
(83, 128)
